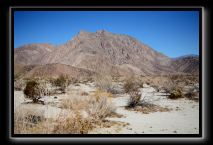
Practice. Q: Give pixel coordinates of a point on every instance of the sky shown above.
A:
(173, 33)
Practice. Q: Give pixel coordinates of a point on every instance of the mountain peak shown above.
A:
(101, 31)
(83, 32)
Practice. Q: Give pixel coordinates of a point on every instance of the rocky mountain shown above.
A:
(101, 52)
(187, 64)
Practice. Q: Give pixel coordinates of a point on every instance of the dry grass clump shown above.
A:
(103, 82)
(27, 120)
(100, 93)
(72, 124)
(74, 102)
(19, 85)
(98, 107)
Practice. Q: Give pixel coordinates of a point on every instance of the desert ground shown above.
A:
(88, 107)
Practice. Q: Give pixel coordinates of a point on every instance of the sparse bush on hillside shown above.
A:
(61, 82)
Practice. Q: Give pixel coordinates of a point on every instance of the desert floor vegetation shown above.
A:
(72, 106)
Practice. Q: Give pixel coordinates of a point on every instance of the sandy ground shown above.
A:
(182, 119)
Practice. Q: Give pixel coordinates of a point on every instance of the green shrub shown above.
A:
(32, 91)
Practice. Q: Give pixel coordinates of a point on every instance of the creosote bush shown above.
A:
(61, 82)
(32, 91)
(176, 93)
(35, 89)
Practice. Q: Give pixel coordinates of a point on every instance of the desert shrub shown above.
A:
(176, 93)
(35, 89)
(72, 124)
(27, 120)
(131, 85)
(134, 100)
(97, 106)
(101, 108)
(100, 93)
(103, 82)
(190, 94)
(19, 85)
(74, 103)
(32, 91)
(61, 82)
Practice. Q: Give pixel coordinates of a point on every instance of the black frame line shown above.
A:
(199, 9)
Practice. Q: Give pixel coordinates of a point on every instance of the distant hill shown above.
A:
(187, 64)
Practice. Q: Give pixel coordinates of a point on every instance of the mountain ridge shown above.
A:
(100, 52)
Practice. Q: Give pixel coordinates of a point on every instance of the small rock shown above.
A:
(175, 131)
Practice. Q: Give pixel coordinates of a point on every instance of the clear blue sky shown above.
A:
(173, 33)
